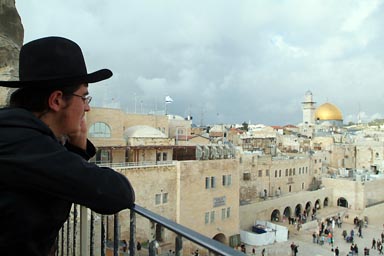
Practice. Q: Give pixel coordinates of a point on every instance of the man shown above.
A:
(44, 150)
(337, 251)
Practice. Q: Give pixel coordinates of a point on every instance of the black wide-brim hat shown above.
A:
(53, 62)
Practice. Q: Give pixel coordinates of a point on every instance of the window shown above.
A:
(161, 198)
(210, 182)
(228, 212)
(279, 173)
(165, 198)
(294, 171)
(158, 199)
(260, 173)
(299, 170)
(206, 217)
(275, 173)
(158, 156)
(164, 156)
(212, 216)
(207, 182)
(227, 180)
(223, 213)
(286, 172)
(99, 130)
(267, 173)
(246, 176)
(290, 172)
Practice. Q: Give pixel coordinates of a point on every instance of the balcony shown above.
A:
(88, 233)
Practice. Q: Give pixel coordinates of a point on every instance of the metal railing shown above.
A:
(69, 243)
(134, 164)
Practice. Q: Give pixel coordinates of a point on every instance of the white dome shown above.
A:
(143, 131)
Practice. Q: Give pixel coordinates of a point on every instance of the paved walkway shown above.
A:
(303, 239)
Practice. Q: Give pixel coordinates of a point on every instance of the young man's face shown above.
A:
(73, 113)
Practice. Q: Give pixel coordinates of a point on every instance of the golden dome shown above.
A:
(327, 111)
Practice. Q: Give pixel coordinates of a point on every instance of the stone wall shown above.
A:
(264, 209)
(11, 39)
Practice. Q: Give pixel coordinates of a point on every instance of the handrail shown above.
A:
(210, 244)
(68, 238)
(135, 164)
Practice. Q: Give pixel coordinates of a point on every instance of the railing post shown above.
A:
(62, 241)
(179, 245)
(132, 234)
(152, 248)
(92, 235)
(103, 236)
(74, 229)
(116, 235)
(68, 234)
(83, 230)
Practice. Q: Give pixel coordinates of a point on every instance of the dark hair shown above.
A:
(36, 99)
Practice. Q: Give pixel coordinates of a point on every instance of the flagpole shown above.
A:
(168, 99)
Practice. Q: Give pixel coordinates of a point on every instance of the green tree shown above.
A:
(245, 126)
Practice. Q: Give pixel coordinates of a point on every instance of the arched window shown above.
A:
(99, 130)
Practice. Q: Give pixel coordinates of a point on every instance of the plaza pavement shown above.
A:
(303, 239)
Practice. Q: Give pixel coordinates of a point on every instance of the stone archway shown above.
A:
(220, 238)
(275, 216)
(287, 212)
(326, 202)
(342, 202)
(298, 210)
(308, 208)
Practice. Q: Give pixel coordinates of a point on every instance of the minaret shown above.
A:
(308, 109)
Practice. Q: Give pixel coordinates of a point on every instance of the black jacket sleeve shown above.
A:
(86, 154)
(41, 163)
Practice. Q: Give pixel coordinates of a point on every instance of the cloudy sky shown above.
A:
(225, 61)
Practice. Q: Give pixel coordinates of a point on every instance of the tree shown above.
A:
(245, 126)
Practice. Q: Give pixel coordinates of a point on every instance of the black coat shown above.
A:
(40, 179)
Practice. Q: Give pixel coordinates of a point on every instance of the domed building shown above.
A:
(328, 118)
(328, 112)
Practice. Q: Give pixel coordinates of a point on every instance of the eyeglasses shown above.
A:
(86, 99)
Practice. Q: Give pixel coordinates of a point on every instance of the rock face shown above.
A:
(11, 39)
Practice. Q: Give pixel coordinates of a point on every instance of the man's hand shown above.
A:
(79, 139)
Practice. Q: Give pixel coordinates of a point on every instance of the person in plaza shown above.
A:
(292, 248)
(360, 232)
(373, 244)
(44, 150)
(380, 248)
(337, 251)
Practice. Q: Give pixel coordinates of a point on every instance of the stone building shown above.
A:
(202, 195)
